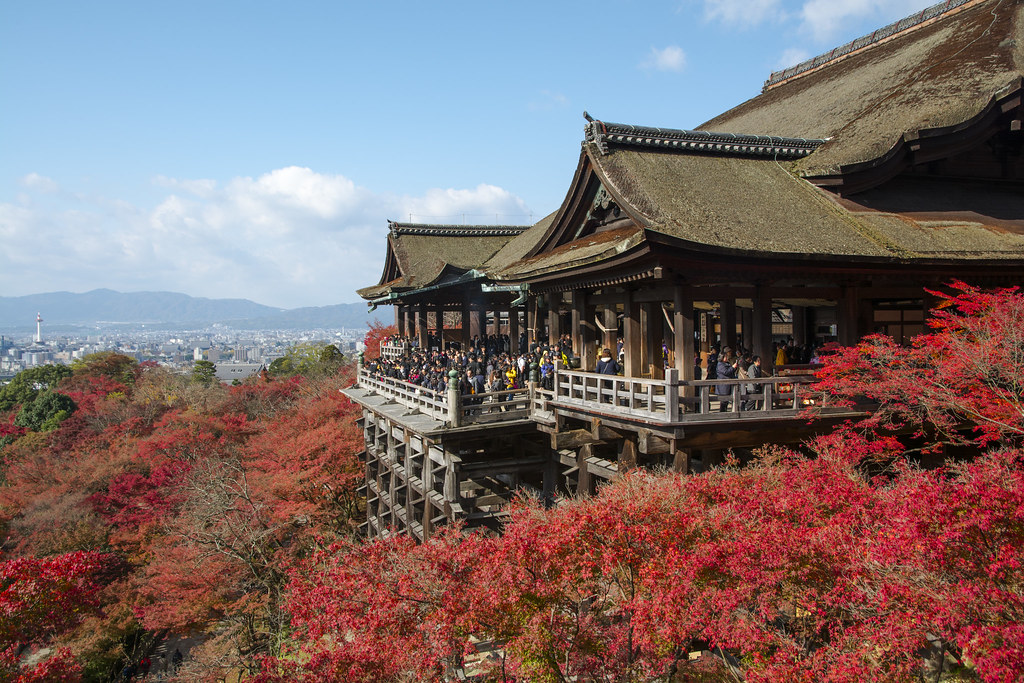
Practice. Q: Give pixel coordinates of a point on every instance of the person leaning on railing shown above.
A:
(547, 372)
(726, 369)
(607, 365)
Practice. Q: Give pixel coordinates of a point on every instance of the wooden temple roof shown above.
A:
(887, 89)
(422, 255)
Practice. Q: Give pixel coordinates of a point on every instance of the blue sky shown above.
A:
(257, 149)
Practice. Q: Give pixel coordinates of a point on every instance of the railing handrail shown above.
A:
(773, 379)
(667, 400)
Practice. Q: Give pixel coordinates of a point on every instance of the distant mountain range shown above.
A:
(105, 308)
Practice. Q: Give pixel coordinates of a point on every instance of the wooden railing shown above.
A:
(675, 400)
(495, 406)
(427, 401)
(394, 350)
(670, 400)
(647, 398)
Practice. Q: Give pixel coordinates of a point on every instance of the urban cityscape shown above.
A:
(236, 353)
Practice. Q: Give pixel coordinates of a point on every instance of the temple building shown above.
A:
(823, 209)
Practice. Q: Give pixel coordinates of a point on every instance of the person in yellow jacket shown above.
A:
(510, 375)
(780, 356)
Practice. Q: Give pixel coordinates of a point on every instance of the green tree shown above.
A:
(27, 384)
(308, 360)
(110, 364)
(47, 411)
(204, 372)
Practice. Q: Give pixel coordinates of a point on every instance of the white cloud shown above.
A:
(483, 205)
(671, 58)
(39, 183)
(742, 12)
(825, 19)
(291, 237)
(792, 57)
(822, 20)
(548, 100)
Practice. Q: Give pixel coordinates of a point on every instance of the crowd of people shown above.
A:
(493, 363)
(490, 363)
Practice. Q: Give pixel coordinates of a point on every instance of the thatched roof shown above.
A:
(421, 255)
(937, 74)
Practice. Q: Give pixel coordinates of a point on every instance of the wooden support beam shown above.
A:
(571, 439)
(680, 459)
(584, 483)
(628, 455)
(650, 443)
(600, 432)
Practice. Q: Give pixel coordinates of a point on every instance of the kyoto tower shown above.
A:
(39, 328)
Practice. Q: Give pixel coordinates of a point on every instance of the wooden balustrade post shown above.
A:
(360, 361)
(672, 394)
(454, 399)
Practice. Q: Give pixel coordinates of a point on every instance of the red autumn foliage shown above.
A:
(204, 493)
(797, 567)
(378, 334)
(42, 598)
(965, 373)
(59, 667)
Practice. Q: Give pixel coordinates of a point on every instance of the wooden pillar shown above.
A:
(439, 324)
(583, 332)
(682, 321)
(655, 332)
(631, 336)
(727, 322)
(854, 316)
(746, 317)
(761, 334)
(681, 461)
(610, 335)
(479, 324)
(513, 330)
(422, 333)
(400, 320)
(554, 328)
(628, 455)
(799, 324)
(496, 325)
(466, 326)
(531, 322)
